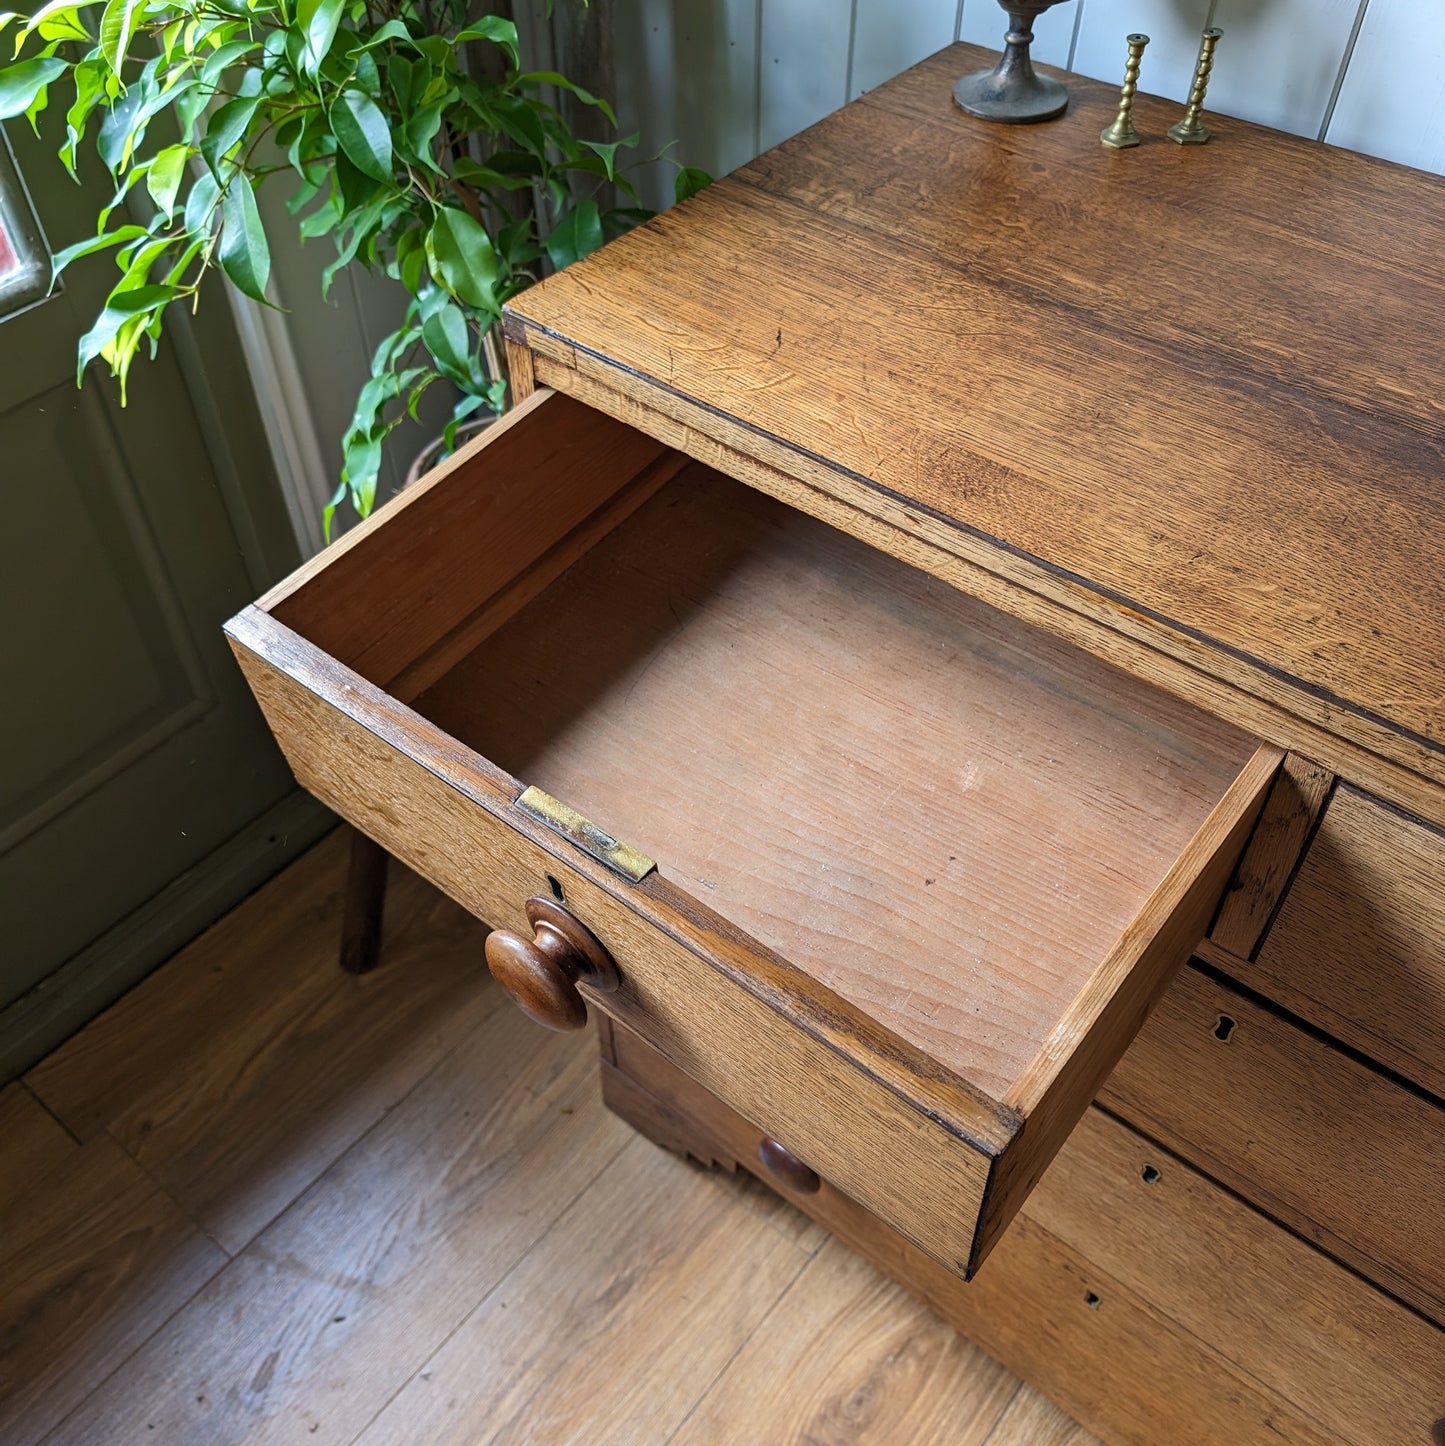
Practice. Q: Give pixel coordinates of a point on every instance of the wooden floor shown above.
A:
(260, 1200)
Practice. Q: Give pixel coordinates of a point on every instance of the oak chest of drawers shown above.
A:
(941, 578)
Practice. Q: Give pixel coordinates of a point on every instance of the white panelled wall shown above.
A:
(726, 79)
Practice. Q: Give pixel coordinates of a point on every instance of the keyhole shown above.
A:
(1091, 1300)
(556, 886)
(1149, 1175)
(1224, 1028)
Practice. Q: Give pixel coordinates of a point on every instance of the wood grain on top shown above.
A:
(943, 815)
(1197, 392)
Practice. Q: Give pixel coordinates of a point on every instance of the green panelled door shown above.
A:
(140, 793)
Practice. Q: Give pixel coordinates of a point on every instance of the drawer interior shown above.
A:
(940, 813)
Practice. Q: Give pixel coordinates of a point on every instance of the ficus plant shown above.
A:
(415, 141)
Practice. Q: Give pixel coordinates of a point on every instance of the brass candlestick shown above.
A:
(1191, 131)
(1122, 133)
(1012, 91)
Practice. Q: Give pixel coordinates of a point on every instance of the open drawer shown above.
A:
(921, 869)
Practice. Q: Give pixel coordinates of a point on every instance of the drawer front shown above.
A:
(1133, 1290)
(1339, 1151)
(1358, 945)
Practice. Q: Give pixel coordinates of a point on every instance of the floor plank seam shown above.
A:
(24, 1083)
(496, 1285)
(807, 1264)
(188, 1215)
(999, 1419)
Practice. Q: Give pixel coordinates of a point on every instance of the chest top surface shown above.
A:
(1196, 392)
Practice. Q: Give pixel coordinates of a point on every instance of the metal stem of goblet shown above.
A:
(1012, 91)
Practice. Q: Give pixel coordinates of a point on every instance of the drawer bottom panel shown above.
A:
(1142, 1297)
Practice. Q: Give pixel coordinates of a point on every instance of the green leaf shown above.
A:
(494, 28)
(357, 191)
(366, 76)
(245, 256)
(418, 134)
(363, 134)
(363, 462)
(411, 258)
(20, 84)
(463, 259)
(91, 245)
(189, 108)
(690, 181)
(392, 30)
(117, 30)
(201, 203)
(485, 178)
(552, 77)
(607, 150)
(120, 307)
(60, 20)
(221, 60)
(407, 78)
(178, 269)
(575, 235)
(444, 334)
(328, 513)
(118, 134)
(520, 119)
(89, 80)
(226, 129)
(163, 180)
(323, 220)
(318, 20)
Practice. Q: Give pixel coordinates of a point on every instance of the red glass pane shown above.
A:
(9, 259)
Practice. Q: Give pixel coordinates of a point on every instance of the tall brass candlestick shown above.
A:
(1191, 131)
(1122, 132)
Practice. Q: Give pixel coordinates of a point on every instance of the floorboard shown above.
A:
(1034, 1420)
(609, 1331)
(238, 1073)
(33, 1141)
(330, 1312)
(433, 1231)
(93, 1259)
(847, 1357)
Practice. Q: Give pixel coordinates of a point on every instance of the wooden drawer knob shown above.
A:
(541, 973)
(786, 1168)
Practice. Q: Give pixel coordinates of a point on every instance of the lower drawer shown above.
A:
(1338, 1150)
(1146, 1300)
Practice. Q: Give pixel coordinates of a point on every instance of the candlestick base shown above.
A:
(1012, 92)
(1013, 97)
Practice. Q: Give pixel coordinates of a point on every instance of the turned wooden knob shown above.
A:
(786, 1168)
(541, 973)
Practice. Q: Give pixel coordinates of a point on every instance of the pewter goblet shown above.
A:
(1011, 91)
